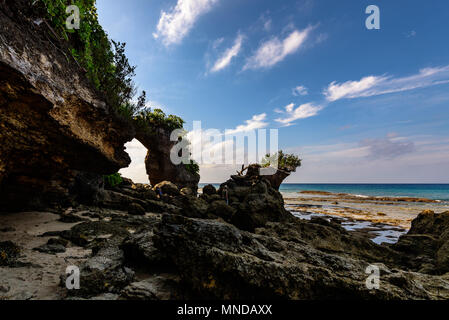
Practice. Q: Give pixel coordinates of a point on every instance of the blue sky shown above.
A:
(357, 105)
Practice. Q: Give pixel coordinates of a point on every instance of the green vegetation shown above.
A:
(145, 118)
(104, 61)
(192, 167)
(287, 162)
(106, 66)
(113, 180)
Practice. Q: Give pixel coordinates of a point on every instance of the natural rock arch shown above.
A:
(158, 164)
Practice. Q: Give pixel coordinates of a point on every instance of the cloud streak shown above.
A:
(275, 50)
(175, 24)
(378, 85)
(228, 55)
(256, 122)
(300, 91)
(292, 114)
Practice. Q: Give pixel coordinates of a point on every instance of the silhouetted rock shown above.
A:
(209, 190)
(426, 245)
(158, 163)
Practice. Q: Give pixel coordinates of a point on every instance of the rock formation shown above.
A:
(53, 125)
(158, 163)
(426, 245)
(254, 200)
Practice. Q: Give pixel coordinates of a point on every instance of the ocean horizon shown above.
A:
(434, 191)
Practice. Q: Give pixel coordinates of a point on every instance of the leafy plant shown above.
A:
(287, 162)
(192, 167)
(106, 64)
(113, 180)
(104, 61)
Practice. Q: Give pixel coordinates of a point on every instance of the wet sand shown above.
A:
(383, 218)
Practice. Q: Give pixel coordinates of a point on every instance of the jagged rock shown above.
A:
(254, 200)
(58, 241)
(9, 253)
(209, 190)
(426, 245)
(139, 247)
(161, 207)
(70, 218)
(221, 209)
(52, 122)
(275, 176)
(186, 192)
(136, 209)
(162, 287)
(116, 200)
(51, 248)
(88, 233)
(158, 163)
(104, 273)
(167, 188)
(220, 261)
(4, 288)
(192, 207)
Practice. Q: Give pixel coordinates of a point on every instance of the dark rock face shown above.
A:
(167, 188)
(209, 190)
(9, 253)
(277, 178)
(185, 258)
(158, 163)
(426, 245)
(254, 200)
(218, 260)
(52, 123)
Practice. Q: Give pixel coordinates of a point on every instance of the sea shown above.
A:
(429, 191)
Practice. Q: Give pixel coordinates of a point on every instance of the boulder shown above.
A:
(186, 192)
(426, 245)
(105, 272)
(167, 188)
(136, 209)
(161, 287)
(9, 253)
(209, 190)
(254, 201)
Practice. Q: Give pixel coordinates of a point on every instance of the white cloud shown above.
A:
(275, 50)
(256, 122)
(228, 55)
(303, 111)
(174, 25)
(378, 85)
(300, 91)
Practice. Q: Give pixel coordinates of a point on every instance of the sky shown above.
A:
(357, 105)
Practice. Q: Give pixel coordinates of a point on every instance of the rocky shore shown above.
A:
(134, 244)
